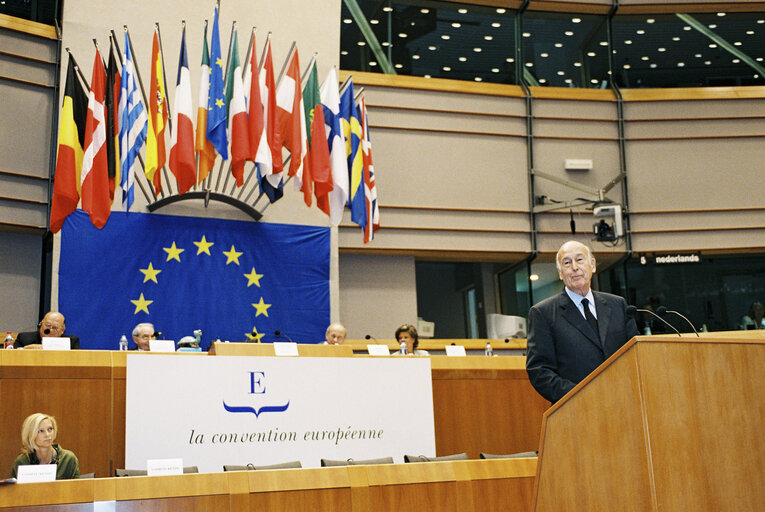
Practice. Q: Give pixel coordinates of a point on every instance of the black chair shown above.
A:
(423, 458)
(508, 456)
(295, 464)
(143, 472)
(352, 462)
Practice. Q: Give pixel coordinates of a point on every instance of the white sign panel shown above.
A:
(164, 467)
(212, 411)
(36, 473)
(455, 350)
(53, 343)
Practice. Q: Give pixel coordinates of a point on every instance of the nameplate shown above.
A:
(285, 348)
(36, 472)
(455, 350)
(53, 343)
(163, 467)
(161, 345)
(378, 350)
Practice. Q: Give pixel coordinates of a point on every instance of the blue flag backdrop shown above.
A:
(185, 273)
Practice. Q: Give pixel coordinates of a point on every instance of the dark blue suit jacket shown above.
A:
(562, 348)
(33, 337)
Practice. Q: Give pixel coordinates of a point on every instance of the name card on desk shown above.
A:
(55, 343)
(161, 345)
(378, 350)
(36, 472)
(455, 350)
(163, 467)
(285, 348)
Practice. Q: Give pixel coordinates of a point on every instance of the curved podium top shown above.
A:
(667, 423)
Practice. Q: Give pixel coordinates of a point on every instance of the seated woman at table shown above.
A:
(408, 334)
(37, 435)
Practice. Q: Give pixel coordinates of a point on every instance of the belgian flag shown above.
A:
(71, 137)
(113, 88)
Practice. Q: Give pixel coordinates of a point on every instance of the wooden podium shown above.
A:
(666, 424)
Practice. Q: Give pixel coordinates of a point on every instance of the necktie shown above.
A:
(589, 317)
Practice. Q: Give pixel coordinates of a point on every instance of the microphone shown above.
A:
(280, 334)
(370, 337)
(631, 310)
(661, 310)
(46, 331)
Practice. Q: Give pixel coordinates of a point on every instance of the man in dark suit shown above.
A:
(572, 333)
(53, 324)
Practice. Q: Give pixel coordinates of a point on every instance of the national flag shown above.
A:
(370, 186)
(237, 113)
(216, 100)
(291, 118)
(330, 100)
(155, 141)
(318, 149)
(260, 152)
(352, 133)
(113, 88)
(95, 173)
(133, 126)
(182, 161)
(71, 137)
(203, 146)
(270, 182)
(249, 274)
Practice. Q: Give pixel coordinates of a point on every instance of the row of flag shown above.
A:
(109, 129)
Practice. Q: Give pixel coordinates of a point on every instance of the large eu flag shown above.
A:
(227, 278)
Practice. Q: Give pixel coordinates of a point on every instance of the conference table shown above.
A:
(481, 404)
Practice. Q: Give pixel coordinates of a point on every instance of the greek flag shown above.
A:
(133, 126)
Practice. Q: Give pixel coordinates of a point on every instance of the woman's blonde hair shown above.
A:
(30, 427)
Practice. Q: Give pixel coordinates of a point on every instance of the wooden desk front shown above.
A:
(480, 404)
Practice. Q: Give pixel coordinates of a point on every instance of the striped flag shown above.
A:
(113, 88)
(216, 101)
(352, 133)
(330, 101)
(71, 136)
(318, 149)
(155, 141)
(95, 172)
(237, 113)
(270, 181)
(182, 162)
(260, 152)
(203, 146)
(291, 118)
(370, 187)
(133, 126)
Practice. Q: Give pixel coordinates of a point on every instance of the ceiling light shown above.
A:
(501, 11)
(576, 20)
(372, 63)
(374, 22)
(347, 20)
(541, 81)
(361, 43)
(568, 80)
(590, 54)
(675, 38)
(402, 34)
(759, 59)
(344, 52)
(456, 25)
(496, 24)
(478, 79)
(737, 43)
(477, 50)
(681, 64)
(415, 57)
(644, 58)
(750, 32)
(650, 20)
(462, 11)
(627, 66)
(387, 9)
(509, 59)
(445, 37)
(527, 34)
(712, 45)
(662, 49)
(561, 73)
(426, 76)
(628, 41)
(462, 59)
(604, 43)
(559, 45)
(712, 26)
(686, 28)
(721, 14)
(446, 68)
(431, 48)
(424, 11)
(653, 66)
(707, 62)
(568, 33)
(488, 38)
(529, 64)
(495, 70)
(736, 61)
(760, 21)
(698, 55)
(592, 81)
(640, 32)
(756, 76)
(544, 55)
(385, 43)
(577, 64)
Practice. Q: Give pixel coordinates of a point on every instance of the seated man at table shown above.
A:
(53, 324)
(335, 334)
(142, 335)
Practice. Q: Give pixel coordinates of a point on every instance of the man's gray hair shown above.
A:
(137, 328)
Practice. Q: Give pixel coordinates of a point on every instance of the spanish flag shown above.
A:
(71, 137)
(155, 140)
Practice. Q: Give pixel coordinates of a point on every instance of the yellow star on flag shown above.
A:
(203, 246)
(232, 256)
(150, 273)
(253, 278)
(261, 307)
(173, 253)
(255, 336)
(143, 305)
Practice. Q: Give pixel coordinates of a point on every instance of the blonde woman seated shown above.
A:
(37, 435)
(408, 334)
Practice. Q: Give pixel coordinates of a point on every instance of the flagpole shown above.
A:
(146, 103)
(225, 75)
(113, 37)
(344, 85)
(78, 70)
(167, 103)
(284, 66)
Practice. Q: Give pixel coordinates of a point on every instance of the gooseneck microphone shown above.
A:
(46, 331)
(370, 337)
(280, 334)
(631, 310)
(661, 310)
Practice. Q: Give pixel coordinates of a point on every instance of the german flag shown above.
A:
(71, 137)
(113, 88)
